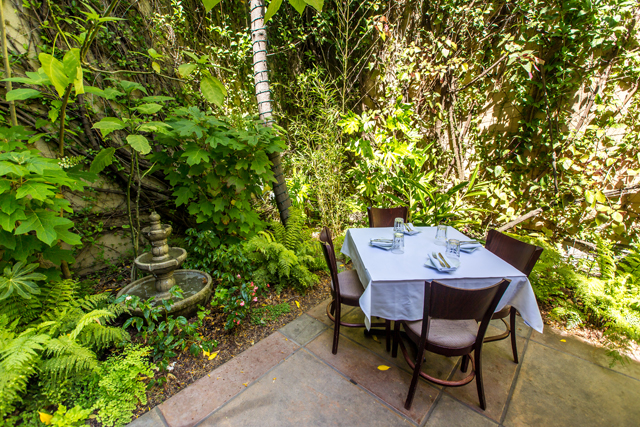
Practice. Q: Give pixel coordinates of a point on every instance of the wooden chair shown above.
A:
(384, 217)
(346, 289)
(522, 256)
(451, 328)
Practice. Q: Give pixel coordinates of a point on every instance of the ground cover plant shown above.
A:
(520, 115)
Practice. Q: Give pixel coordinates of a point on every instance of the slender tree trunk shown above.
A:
(7, 66)
(263, 95)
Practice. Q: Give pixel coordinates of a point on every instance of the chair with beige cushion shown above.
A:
(345, 288)
(451, 329)
(522, 256)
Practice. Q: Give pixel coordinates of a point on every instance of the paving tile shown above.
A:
(451, 413)
(320, 312)
(498, 371)
(522, 329)
(150, 419)
(555, 388)
(303, 391)
(575, 345)
(209, 393)
(435, 364)
(303, 329)
(361, 366)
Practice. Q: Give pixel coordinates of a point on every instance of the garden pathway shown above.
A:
(291, 379)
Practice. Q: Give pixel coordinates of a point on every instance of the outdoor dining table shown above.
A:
(394, 283)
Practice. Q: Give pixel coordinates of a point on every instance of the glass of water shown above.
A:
(453, 252)
(398, 225)
(441, 235)
(398, 243)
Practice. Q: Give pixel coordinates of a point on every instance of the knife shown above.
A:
(444, 260)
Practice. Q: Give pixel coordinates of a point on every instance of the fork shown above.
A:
(438, 259)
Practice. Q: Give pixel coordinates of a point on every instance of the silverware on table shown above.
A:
(444, 260)
(437, 259)
(409, 228)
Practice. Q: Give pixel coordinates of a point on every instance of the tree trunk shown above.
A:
(263, 95)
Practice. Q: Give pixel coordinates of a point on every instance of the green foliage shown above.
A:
(117, 387)
(31, 202)
(167, 335)
(54, 335)
(285, 257)
(74, 417)
(269, 313)
(609, 302)
(217, 169)
(238, 300)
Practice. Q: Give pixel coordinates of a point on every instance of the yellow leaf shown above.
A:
(45, 418)
(297, 304)
(245, 384)
(205, 353)
(383, 367)
(212, 356)
(563, 340)
(156, 67)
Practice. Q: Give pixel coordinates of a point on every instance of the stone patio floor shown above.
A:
(291, 379)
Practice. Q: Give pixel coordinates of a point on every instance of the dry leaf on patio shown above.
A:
(383, 367)
(297, 304)
(245, 384)
(563, 340)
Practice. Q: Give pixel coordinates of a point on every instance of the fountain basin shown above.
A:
(175, 258)
(195, 284)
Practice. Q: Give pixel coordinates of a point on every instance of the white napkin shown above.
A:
(470, 247)
(435, 263)
(385, 244)
(413, 231)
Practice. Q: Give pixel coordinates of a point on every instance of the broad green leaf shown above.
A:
(195, 155)
(56, 255)
(109, 93)
(274, 6)
(139, 143)
(108, 125)
(22, 94)
(67, 236)
(213, 90)
(20, 279)
(210, 4)
(185, 70)
(498, 171)
(159, 127)
(149, 108)
(5, 185)
(154, 53)
(37, 190)
(316, 4)
(43, 223)
(103, 159)
(8, 240)
(73, 69)
(55, 71)
(157, 98)
(25, 246)
(298, 5)
(12, 168)
(183, 194)
(600, 197)
(589, 196)
(260, 163)
(617, 217)
(131, 86)
(8, 221)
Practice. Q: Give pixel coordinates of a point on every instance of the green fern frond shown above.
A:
(96, 316)
(100, 337)
(68, 357)
(279, 232)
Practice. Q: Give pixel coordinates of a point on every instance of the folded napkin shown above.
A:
(385, 244)
(435, 264)
(408, 226)
(470, 247)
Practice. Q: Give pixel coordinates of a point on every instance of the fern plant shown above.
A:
(53, 335)
(285, 256)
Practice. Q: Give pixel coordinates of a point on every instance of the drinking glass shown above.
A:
(398, 243)
(398, 225)
(453, 252)
(441, 235)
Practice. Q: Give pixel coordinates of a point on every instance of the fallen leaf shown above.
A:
(213, 356)
(375, 338)
(563, 340)
(297, 304)
(383, 367)
(245, 384)
(45, 418)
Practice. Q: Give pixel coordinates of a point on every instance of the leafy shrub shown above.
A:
(610, 302)
(53, 335)
(30, 185)
(238, 300)
(285, 256)
(216, 169)
(223, 262)
(166, 334)
(117, 385)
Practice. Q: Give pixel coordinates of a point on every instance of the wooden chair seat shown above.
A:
(350, 288)
(446, 333)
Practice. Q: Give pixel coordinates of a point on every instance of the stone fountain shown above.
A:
(163, 263)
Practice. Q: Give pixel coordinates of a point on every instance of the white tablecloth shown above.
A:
(394, 283)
